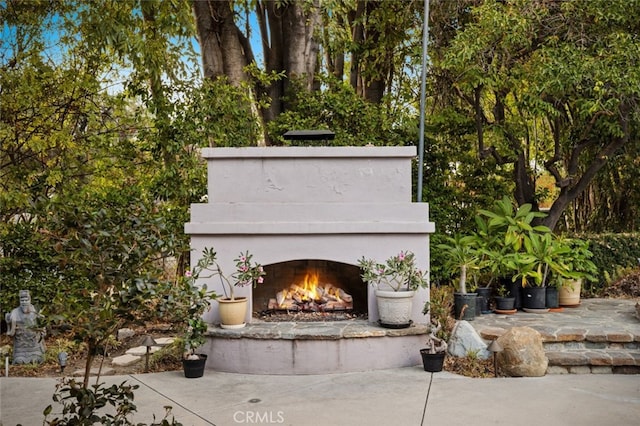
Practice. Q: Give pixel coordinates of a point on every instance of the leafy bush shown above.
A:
(85, 405)
(338, 108)
(612, 253)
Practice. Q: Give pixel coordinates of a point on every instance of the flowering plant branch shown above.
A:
(246, 273)
(399, 272)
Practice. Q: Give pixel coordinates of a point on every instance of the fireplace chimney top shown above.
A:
(309, 135)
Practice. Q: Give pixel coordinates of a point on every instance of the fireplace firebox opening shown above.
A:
(310, 289)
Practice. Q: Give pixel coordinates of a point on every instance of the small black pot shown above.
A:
(515, 290)
(432, 362)
(194, 368)
(552, 299)
(505, 303)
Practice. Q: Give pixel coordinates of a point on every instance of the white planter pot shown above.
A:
(395, 308)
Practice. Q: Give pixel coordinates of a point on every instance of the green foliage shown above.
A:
(611, 253)
(85, 406)
(338, 108)
(439, 307)
(398, 272)
(505, 243)
(462, 256)
(186, 302)
(544, 86)
(215, 113)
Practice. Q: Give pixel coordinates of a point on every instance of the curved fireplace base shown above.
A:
(313, 347)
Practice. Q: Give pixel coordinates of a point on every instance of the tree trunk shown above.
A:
(91, 350)
(525, 188)
(463, 279)
(222, 48)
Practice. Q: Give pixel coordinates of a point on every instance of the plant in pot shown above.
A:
(440, 322)
(545, 259)
(190, 301)
(462, 258)
(232, 308)
(549, 261)
(580, 268)
(505, 302)
(193, 364)
(506, 229)
(395, 283)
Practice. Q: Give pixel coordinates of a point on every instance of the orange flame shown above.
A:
(310, 286)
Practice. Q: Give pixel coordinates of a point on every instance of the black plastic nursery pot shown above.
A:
(534, 297)
(432, 363)
(552, 297)
(465, 306)
(505, 303)
(484, 294)
(194, 368)
(515, 290)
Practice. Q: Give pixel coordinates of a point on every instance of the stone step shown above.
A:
(599, 361)
(587, 356)
(577, 350)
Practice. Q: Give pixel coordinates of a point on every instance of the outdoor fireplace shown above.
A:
(302, 210)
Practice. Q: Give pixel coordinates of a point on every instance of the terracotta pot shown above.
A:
(232, 312)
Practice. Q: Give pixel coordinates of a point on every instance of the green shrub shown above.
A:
(611, 253)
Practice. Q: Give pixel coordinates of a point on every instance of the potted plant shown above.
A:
(580, 267)
(505, 303)
(506, 229)
(438, 309)
(462, 257)
(395, 283)
(191, 302)
(193, 364)
(233, 309)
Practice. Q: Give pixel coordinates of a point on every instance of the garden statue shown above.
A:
(28, 338)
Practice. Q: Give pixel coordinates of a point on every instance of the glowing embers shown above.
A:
(312, 295)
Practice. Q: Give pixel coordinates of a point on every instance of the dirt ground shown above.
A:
(76, 358)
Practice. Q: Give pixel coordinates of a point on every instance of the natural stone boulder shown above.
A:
(465, 339)
(523, 354)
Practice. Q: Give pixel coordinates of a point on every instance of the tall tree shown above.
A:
(289, 45)
(364, 42)
(553, 87)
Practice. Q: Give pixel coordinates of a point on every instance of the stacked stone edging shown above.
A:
(602, 336)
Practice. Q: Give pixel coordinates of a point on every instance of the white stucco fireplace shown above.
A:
(286, 204)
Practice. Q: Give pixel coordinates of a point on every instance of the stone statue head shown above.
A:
(25, 301)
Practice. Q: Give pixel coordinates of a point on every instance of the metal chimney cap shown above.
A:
(309, 135)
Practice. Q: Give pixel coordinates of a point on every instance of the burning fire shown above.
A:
(312, 295)
(310, 287)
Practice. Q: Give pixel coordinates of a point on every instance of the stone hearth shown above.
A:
(313, 347)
